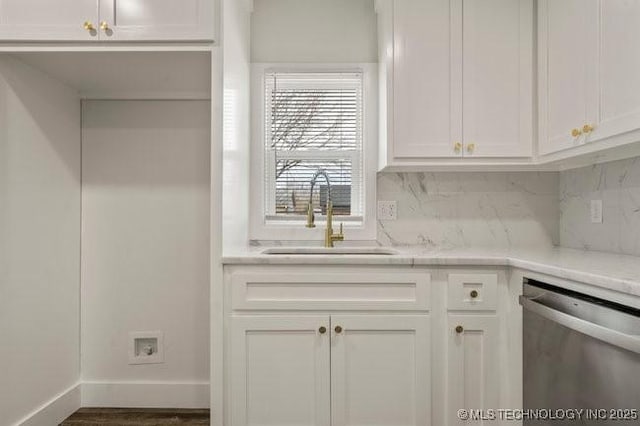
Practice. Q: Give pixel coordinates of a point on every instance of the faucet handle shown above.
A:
(340, 236)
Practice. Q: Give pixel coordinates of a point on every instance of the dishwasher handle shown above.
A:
(613, 337)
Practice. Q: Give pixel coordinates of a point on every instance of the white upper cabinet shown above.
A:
(459, 80)
(589, 70)
(106, 20)
(34, 20)
(564, 62)
(427, 85)
(157, 19)
(619, 71)
(498, 78)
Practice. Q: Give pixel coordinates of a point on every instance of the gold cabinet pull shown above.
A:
(104, 26)
(88, 25)
(473, 294)
(322, 330)
(338, 329)
(459, 329)
(587, 128)
(576, 132)
(471, 147)
(457, 146)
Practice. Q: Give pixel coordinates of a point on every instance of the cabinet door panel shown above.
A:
(36, 20)
(157, 19)
(280, 371)
(564, 78)
(427, 80)
(498, 61)
(619, 68)
(472, 380)
(380, 371)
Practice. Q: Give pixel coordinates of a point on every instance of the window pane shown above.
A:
(313, 121)
(293, 184)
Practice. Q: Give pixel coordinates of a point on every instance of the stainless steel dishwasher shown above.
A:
(580, 352)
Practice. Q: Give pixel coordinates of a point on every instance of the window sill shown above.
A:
(354, 222)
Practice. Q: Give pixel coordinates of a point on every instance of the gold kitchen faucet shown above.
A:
(329, 236)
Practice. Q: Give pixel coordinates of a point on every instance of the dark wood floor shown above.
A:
(136, 417)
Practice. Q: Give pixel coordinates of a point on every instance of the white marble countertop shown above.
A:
(611, 271)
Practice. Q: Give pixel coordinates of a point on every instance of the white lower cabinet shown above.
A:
(380, 370)
(473, 362)
(280, 370)
(338, 370)
(355, 346)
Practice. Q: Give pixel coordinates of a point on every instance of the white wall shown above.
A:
(39, 244)
(236, 122)
(314, 31)
(145, 250)
(230, 171)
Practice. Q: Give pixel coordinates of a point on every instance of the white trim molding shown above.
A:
(56, 410)
(145, 394)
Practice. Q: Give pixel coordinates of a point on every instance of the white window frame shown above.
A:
(294, 230)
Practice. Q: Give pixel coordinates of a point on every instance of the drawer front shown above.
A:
(473, 291)
(353, 290)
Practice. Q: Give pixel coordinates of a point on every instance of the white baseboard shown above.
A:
(145, 395)
(55, 411)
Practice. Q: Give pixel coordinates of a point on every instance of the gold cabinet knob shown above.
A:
(473, 294)
(587, 128)
(88, 25)
(459, 329)
(104, 26)
(576, 132)
(322, 330)
(338, 329)
(471, 147)
(457, 146)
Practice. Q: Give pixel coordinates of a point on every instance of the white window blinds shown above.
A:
(313, 121)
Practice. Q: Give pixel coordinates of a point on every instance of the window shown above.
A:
(313, 121)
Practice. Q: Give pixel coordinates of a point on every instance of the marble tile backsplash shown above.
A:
(449, 210)
(617, 184)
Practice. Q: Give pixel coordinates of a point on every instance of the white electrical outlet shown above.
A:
(146, 347)
(387, 210)
(596, 211)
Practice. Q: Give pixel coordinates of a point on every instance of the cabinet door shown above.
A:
(157, 19)
(46, 20)
(619, 68)
(427, 78)
(472, 378)
(498, 85)
(380, 370)
(279, 371)
(566, 70)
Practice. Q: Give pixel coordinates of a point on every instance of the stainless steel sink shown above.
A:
(381, 251)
